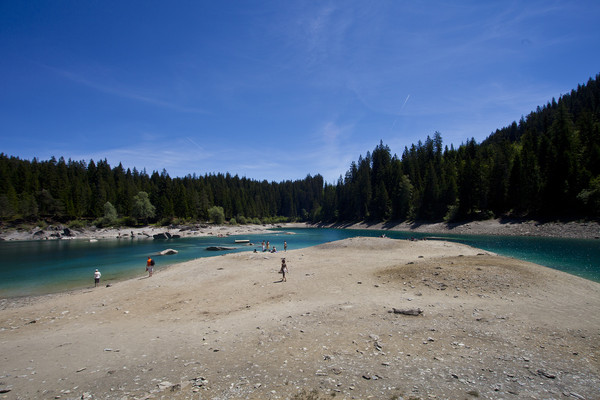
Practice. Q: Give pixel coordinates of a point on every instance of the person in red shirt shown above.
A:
(150, 266)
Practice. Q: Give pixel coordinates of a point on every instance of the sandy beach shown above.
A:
(226, 328)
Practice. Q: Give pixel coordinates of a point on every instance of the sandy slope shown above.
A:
(225, 328)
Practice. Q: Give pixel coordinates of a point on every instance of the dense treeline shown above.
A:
(546, 166)
(68, 190)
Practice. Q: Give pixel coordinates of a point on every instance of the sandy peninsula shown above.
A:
(341, 326)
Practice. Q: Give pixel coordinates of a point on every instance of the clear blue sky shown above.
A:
(277, 90)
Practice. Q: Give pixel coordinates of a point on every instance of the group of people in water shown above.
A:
(266, 247)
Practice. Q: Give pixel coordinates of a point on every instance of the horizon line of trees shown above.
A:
(75, 190)
(545, 166)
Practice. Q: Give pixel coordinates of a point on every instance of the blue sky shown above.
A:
(277, 90)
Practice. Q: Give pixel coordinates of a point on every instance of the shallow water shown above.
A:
(40, 267)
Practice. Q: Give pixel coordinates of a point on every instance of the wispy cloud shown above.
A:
(330, 131)
(123, 92)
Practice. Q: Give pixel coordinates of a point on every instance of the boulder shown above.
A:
(219, 248)
(162, 236)
(168, 252)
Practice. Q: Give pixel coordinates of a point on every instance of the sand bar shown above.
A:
(226, 328)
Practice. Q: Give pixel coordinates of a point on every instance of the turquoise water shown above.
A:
(39, 267)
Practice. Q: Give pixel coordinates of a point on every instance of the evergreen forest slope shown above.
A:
(546, 166)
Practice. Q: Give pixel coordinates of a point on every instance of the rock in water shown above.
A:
(168, 252)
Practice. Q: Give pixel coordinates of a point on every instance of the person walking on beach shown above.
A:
(284, 246)
(97, 275)
(283, 270)
(150, 266)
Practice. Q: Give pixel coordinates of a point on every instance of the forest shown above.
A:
(546, 166)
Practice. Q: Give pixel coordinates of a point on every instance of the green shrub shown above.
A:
(452, 213)
(216, 215)
(166, 221)
(110, 213)
(127, 221)
(77, 224)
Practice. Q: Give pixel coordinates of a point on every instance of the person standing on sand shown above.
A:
(284, 246)
(150, 266)
(97, 275)
(283, 270)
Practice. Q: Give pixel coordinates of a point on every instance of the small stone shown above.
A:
(164, 385)
(545, 374)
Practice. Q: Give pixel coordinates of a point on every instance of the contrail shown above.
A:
(197, 145)
(407, 97)
(401, 108)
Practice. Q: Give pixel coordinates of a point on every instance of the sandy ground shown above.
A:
(226, 328)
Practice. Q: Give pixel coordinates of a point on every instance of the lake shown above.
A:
(41, 267)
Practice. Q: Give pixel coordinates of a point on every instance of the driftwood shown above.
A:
(411, 311)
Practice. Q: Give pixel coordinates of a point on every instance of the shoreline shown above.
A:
(225, 327)
(577, 230)
(60, 232)
(493, 227)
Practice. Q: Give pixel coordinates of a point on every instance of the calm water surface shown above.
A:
(39, 267)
